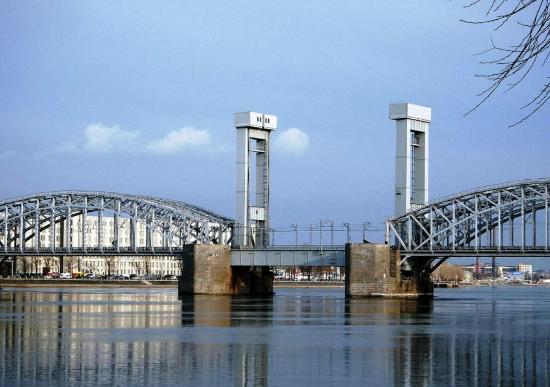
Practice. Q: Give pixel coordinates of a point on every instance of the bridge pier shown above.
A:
(375, 270)
(206, 269)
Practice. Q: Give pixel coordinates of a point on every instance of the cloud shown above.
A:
(102, 139)
(67, 147)
(99, 138)
(177, 140)
(63, 148)
(292, 141)
(6, 154)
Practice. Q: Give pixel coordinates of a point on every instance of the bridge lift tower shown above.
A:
(252, 178)
(412, 123)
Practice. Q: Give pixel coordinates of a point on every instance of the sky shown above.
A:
(138, 97)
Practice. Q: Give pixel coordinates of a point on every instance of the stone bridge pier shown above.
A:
(375, 270)
(206, 269)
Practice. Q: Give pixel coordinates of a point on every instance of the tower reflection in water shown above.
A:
(242, 355)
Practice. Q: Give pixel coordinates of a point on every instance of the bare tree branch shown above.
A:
(516, 61)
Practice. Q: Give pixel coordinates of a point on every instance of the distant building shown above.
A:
(514, 276)
(524, 268)
(506, 269)
(154, 265)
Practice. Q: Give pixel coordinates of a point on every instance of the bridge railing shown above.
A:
(323, 233)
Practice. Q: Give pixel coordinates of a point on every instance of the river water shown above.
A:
(472, 336)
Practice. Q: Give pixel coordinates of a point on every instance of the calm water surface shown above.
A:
(476, 336)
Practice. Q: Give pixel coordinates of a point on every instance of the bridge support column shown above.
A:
(375, 270)
(206, 269)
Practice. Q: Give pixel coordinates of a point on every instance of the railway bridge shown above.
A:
(223, 255)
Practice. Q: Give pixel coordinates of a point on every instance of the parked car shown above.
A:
(65, 276)
(151, 277)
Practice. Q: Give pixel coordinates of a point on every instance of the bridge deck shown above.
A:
(305, 255)
(271, 256)
(290, 256)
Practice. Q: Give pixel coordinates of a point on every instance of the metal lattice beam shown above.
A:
(474, 223)
(23, 220)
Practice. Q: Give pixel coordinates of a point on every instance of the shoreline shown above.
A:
(308, 284)
(85, 283)
(98, 283)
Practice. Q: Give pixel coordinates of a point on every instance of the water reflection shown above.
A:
(246, 361)
(477, 342)
(226, 311)
(75, 337)
(299, 336)
(361, 311)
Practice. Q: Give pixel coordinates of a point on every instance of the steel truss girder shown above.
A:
(23, 219)
(474, 221)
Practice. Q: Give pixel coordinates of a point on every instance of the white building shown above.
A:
(153, 265)
(524, 268)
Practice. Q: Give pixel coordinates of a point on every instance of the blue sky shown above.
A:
(138, 97)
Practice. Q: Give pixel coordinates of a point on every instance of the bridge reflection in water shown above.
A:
(300, 336)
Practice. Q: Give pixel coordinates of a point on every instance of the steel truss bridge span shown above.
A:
(511, 219)
(74, 222)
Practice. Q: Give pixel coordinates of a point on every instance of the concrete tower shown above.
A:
(252, 178)
(412, 123)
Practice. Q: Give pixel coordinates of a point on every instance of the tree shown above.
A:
(137, 264)
(515, 61)
(110, 263)
(49, 261)
(147, 263)
(70, 264)
(448, 272)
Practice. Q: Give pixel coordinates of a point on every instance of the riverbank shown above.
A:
(308, 284)
(99, 283)
(494, 284)
(85, 283)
